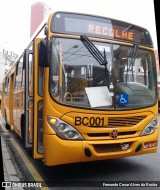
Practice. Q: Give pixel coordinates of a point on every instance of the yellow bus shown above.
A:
(84, 89)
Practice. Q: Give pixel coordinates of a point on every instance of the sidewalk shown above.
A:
(10, 172)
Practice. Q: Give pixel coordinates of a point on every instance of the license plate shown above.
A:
(91, 121)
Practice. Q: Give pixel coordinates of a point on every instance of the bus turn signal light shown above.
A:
(53, 120)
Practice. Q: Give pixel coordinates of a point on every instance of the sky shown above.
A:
(15, 16)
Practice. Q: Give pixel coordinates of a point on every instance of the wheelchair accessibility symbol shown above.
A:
(123, 99)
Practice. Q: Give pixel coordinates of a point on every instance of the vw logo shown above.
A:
(114, 134)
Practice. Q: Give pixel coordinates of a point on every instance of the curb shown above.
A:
(10, 173)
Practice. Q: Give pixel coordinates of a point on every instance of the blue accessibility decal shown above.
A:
(123, 99)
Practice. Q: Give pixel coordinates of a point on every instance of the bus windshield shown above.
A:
(77, 79)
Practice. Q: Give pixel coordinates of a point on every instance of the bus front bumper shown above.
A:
(58, 151)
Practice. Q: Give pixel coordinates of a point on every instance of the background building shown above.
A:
(38, 12)
(7, 59)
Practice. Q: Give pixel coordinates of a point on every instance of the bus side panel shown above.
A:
(11, 100)
(18, 110)
(2, 101)
(6, 100)
(15, 119)
(6, 107)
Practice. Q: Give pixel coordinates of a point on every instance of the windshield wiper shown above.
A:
(94, 50)
(102, 60)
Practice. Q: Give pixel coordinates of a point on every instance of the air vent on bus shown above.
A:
(124, 121)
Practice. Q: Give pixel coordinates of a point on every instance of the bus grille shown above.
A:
(108, 134)
(124, 121)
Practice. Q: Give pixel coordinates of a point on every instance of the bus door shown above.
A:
(27, 129)
(33, 102)
(38, 104)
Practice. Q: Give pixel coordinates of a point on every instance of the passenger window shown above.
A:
(30, 73)
(6, 85)
(18, 78)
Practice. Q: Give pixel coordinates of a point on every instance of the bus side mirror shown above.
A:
(43, 54)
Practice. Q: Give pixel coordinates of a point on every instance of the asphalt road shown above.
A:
(145, 168)
(97, 175)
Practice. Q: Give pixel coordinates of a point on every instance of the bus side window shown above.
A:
(6, 85)
(18, 79)
(40, 80)
(30, 75)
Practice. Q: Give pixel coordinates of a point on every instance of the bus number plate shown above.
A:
(91, 121)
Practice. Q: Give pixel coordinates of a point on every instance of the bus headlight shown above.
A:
(63, 129)
(150, 128)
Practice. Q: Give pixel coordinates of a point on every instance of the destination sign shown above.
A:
(97, 28)
(117, 33)
(79, 24)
